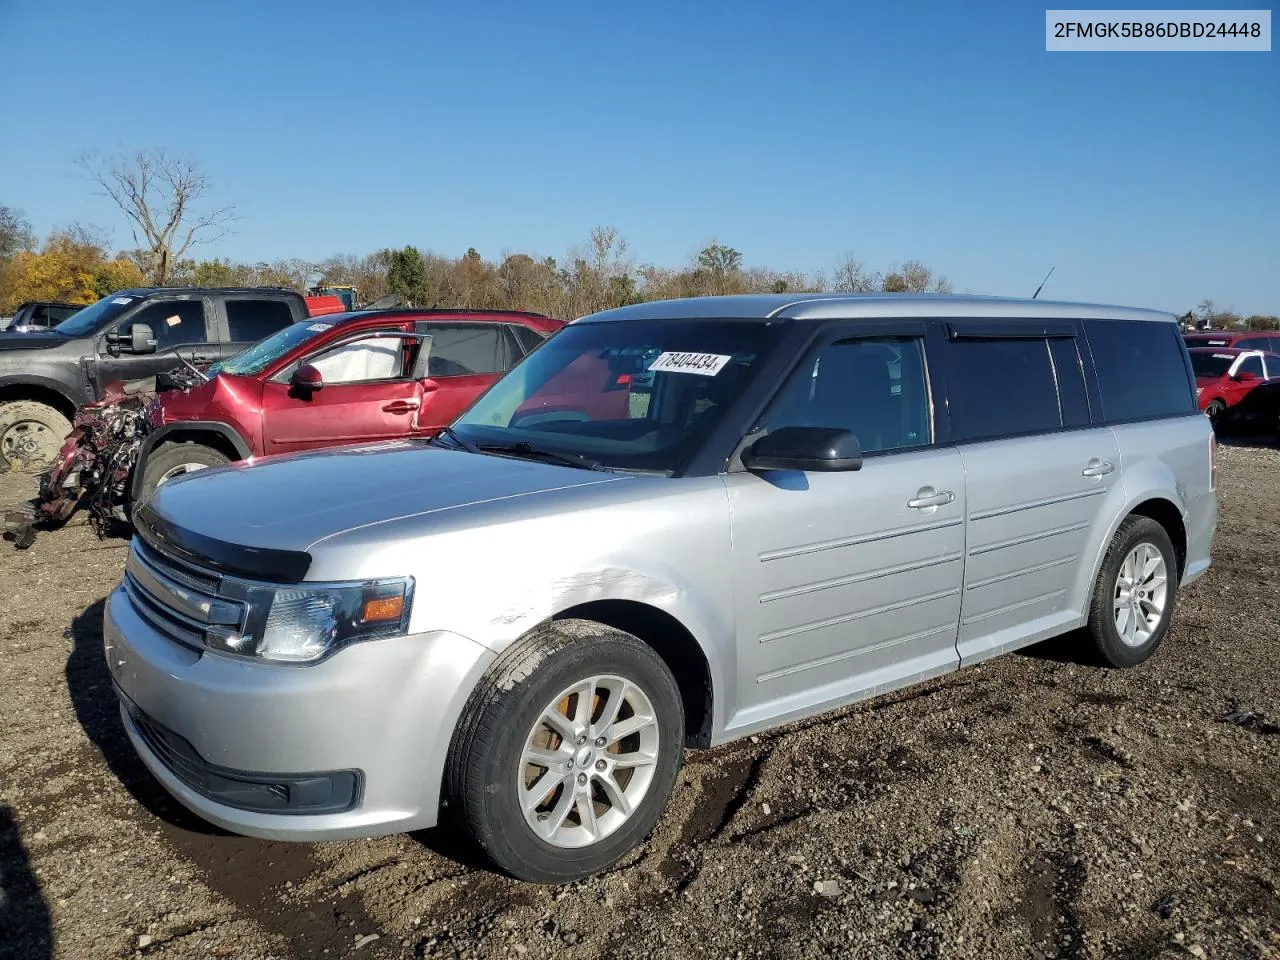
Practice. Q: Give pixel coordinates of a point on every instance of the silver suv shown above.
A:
(673, 524)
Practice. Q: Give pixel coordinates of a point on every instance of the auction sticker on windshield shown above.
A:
(703, 364)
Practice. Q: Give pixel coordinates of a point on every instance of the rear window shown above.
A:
(1142, 373)
(249, 321)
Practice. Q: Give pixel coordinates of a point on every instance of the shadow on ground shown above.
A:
(26, 930)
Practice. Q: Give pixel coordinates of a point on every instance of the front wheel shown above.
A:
(31, 434)
(567, 752)
(175, 459)
(1134, 595)
(1214, 409)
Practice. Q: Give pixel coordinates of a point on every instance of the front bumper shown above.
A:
(349, 747)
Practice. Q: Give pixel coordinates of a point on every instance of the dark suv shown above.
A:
(128, 335)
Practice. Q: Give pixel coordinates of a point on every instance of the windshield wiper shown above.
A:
(523, 449)
(456, 438)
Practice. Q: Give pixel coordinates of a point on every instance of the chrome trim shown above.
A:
(197, 606)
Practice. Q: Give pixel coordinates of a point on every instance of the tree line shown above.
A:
(167, 202)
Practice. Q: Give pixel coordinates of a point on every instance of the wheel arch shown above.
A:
(1157, 506)
(39, 391)
(674, 643)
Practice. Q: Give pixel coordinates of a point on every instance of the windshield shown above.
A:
(630, 395)
(1211, 365)
(94, 317)
(253, 360)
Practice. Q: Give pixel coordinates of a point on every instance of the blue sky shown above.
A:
(794, 132)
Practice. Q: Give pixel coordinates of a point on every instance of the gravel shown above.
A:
(1031, 807)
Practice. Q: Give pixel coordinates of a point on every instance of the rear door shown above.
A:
(466, 359)
(1037, 475)
(849, 583)
(368, 394)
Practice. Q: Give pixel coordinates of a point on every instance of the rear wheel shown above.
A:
(1135, 592)
(174, 460)
(567, 752)
(31, 434)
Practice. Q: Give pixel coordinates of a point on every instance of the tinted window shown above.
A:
(1251, 343)
(1141, 369)
(1251, 365)
(464, 349)
(174, 322)
(527, 338)
(1072, 397)
(248, 321)
(1001, 388)
(875, 388)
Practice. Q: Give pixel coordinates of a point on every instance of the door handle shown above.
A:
(1097, 468)
(927, 497)
(402, 406)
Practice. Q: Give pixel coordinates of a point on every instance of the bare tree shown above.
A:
(852, 277)
(161, 195)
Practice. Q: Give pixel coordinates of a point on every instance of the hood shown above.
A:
(290, 502)
(30, 341)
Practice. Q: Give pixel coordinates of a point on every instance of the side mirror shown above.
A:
(1246, 376)
(429, 385)
(825, 449)
(142, 339)
(307, 379)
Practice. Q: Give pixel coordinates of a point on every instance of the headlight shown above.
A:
(298, 624)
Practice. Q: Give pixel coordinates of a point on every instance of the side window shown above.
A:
(1001, 388)
(376, 358)
(58, 314)
(460, 350)
(249, 321)
(174, 322)
(1072, 396)
(527, 338)
(1252, 365)
(876, 388)
(1142, 371)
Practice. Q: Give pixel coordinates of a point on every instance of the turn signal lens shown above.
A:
(382, 609)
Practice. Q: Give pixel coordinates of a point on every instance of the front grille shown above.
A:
(178, 600)
(329, 792)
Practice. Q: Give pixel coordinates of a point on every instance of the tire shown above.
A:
(487, 773)
(31, 434)
(172, 459)
(1125, 637)
(1215, 409)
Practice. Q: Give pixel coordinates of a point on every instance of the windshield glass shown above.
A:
(253, 360)
(94, 317)
(1212, 365)
(630, 395)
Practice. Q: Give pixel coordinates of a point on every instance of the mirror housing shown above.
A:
(307, 379)
(429, 385)
(142, 339)
(820, 449)
(1245, 376)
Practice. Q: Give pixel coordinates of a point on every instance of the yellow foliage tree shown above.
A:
(66, 268)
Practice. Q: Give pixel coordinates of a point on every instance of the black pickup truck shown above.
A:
(128, 335)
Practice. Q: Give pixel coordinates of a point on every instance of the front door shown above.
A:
(368, 395)
(181, 326)
(849, 583)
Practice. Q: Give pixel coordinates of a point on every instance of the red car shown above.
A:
(342, 378)
(1247, 340)
(1226, 375)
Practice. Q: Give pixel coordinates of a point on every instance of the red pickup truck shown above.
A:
(342, 378)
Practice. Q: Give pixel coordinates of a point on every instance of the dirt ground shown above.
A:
(1027, 808)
